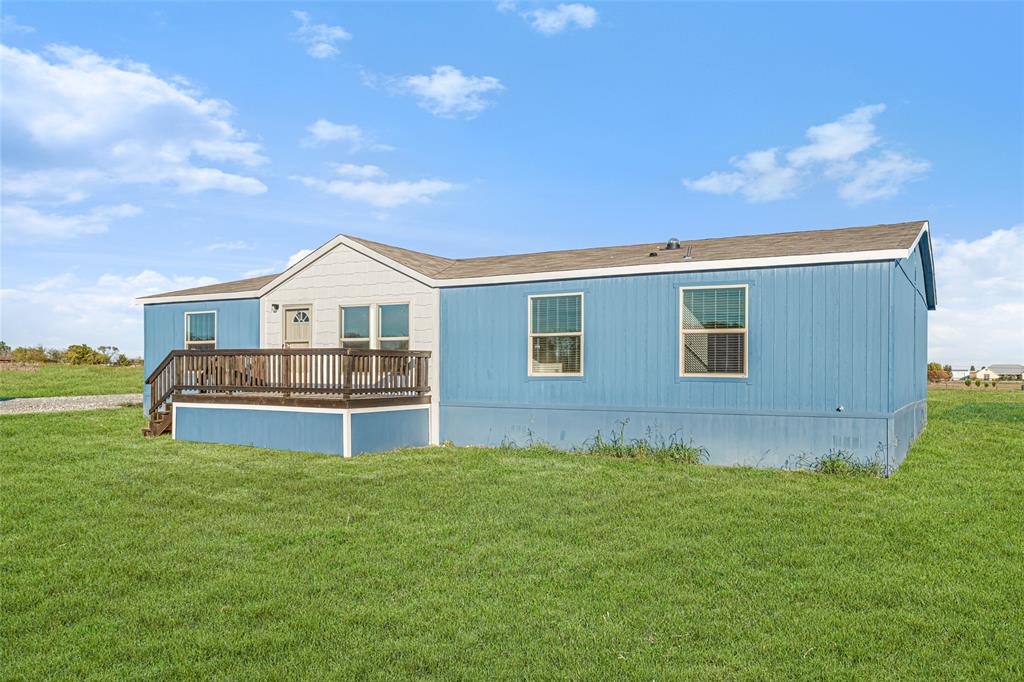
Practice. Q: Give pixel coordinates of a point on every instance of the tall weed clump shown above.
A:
(843, 463)
(654, 446)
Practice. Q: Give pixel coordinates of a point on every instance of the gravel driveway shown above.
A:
(68, 403)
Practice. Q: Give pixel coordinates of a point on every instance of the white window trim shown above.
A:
(284, 322)
(215, 331)
(375, 337)
(530, 335)
(355, 339)
(745, 331)
(408, 324)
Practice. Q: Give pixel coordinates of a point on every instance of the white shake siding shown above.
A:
(344, 277)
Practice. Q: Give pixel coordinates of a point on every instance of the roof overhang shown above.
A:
(659, 268)
(187, 298)
(685, 266)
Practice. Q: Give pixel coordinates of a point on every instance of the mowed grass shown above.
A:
(57, 380)
(127, 557)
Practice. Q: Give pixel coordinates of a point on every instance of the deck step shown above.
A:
(159, 424)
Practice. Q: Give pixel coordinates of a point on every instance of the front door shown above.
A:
(297, 327)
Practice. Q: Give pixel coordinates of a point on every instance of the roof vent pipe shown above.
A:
(672, 244)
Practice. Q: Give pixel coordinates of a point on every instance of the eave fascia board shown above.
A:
(187, 298)
(930, 286)
(931, 271)
(688, 266)
(329, 246)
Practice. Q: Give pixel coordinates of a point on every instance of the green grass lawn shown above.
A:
(54, 380)
(123, 556)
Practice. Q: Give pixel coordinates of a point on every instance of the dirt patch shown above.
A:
(11, 366)
(69, 403)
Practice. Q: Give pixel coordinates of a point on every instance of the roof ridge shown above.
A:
(454, 261)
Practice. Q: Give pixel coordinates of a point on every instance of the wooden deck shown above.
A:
(327, 401)
(311, 377)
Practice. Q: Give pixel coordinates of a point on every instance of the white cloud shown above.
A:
(297, 256)
(319, 39)
(259, 272)
(881, 177)
(279, 266)
(838, 152)
(56, 184)
(10, 25)
(377, 192)
(552, 21)
(24, 223)
(980, 314)
(352, 170)
(759, 178)
(450, 94)
(63, 309)
(202, 179)
(75, 122)
(238, 245)
(839, 140)
(323, 131)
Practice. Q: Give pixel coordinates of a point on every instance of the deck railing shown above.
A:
(342, 372)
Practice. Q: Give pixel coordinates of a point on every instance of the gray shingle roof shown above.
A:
(875, 237)
(253, 284)
(807, 243)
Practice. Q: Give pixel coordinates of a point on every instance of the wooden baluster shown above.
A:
(285, 370)
(346, 374)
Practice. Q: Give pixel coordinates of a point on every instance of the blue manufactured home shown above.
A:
(764, 349)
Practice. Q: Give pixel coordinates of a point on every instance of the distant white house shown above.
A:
(1009, 371)
(986, 374)
(960, 374)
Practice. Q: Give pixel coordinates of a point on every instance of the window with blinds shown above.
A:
(713, 331)
(556, 335)
(200, 331)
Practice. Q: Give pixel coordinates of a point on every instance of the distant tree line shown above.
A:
(77, 354)
(937, 372)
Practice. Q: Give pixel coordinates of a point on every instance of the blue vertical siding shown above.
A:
(907, 423)
(281, 430)
(766, 440)
(910, 337)
(302, 431)
(379, 431)
(818, 339)
(238, 326)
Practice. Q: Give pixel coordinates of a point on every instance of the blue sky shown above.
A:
(154, 146)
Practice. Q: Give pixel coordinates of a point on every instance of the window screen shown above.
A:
(713, 337)
(200, 331)
(556, 335)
